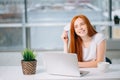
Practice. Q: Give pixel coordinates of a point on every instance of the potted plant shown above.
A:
(116, 19)
(28, 62)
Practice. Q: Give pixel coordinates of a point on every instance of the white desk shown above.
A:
(15, 73)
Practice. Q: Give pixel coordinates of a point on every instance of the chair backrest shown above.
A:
(108, 60)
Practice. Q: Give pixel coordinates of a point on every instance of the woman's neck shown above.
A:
(86, 39)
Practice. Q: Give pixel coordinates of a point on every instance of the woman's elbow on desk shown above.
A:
(90, 64)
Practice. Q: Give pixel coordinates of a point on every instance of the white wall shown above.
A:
(10, 58)
(113, 44)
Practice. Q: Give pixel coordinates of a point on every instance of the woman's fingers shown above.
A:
(65, 36)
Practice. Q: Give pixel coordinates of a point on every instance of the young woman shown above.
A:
(89, 45)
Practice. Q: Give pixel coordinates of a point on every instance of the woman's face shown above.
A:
(80, 27)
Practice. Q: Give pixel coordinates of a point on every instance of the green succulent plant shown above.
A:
(28, 55)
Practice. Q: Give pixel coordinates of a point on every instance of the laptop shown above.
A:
(65, 64)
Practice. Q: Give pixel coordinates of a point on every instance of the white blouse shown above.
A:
(90, 52)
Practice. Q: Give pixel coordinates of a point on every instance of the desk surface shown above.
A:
(15, 73)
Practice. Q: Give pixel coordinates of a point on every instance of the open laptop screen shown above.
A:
(61, 64)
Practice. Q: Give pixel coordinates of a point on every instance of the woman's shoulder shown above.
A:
(98, 37)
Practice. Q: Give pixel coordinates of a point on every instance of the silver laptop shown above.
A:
(62, 64)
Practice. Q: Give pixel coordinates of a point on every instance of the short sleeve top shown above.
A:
(90, 52)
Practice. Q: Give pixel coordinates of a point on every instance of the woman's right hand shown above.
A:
(65, 37)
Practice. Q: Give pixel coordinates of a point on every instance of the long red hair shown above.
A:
(76, 41)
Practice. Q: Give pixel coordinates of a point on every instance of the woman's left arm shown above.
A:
(101, 49)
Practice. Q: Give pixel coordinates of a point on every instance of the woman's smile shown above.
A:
(80, 27)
